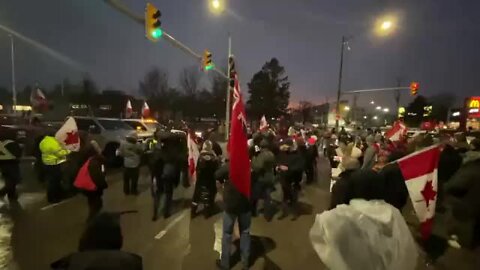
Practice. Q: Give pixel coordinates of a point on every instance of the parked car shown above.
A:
(144, 127)
(108, 132)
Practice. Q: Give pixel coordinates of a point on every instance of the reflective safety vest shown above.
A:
(151, 145)
(52, 152)
(5, 154)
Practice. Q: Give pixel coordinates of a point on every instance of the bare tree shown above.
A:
(189, 80)
(155, 84)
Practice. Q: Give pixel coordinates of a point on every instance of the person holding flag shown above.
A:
(236, 176)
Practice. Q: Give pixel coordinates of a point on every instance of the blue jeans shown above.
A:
(244, 221)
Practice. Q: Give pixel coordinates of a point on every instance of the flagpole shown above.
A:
(227, 106)
(14, 90)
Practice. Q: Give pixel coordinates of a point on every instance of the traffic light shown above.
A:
(153, 23)
(414, 88)
(207, 61)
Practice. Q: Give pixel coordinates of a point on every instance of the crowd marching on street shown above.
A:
(367, 166)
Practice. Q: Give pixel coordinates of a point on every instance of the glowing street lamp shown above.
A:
(216, 6)
(372, 102)
(386, 25)
(378, 108)
(386, 110)
(375, 117)
(347, 108)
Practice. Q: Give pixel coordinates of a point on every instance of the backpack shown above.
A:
(84, 181)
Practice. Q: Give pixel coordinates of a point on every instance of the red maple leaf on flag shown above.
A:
(72, 138)
(428, 193)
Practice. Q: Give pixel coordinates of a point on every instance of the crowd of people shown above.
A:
(361, 159)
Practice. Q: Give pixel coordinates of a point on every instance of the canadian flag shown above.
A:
(263, 124)
(38, 99)
(420, 173)
(128, 109)
(68, 136)
(193, 155)
(396, 132)
(240, 167)
(145, 110)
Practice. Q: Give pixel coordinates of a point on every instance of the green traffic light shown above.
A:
(209, 67)
(157, 33)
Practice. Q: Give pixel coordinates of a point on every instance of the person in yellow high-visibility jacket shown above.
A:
(53, 154)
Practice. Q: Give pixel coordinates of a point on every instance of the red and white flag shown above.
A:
(237, 144)
(193, 154)
(38, 99)
(263, 124)
(68, 135)
(145, 110)
(128, 109)
(420, 173)
(396, 133)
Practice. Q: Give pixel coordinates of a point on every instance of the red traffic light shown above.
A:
(414, 88)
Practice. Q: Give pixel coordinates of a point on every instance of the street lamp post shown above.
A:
(14, 90)
(339, 89)
(227, 105)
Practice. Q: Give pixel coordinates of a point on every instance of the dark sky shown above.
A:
(436, 42)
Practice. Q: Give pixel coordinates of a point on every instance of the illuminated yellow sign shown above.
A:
(473, 106)
(474, 103)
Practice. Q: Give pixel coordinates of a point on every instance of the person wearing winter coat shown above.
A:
(168, 161)
(237, 207)
(207, 165)
(263, 166)
(462, 198)
(100, 248)
(370, 154)
(131, 151)
(290, 165)
(92, 171)
(341, 187)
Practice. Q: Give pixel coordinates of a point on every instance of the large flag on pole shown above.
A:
(68, 136)
(38, 99)
(237, 144)
(193, 155)
(396, 133)
(420, 173)
(128, 109)
(145, 110)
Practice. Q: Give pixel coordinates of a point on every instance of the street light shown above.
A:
(216, 6)
(386, 25)
(378, 108)
(372, 102)
(347, 108)
(375, 117)
(386, 110)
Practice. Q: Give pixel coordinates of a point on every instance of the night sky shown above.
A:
(436, 42)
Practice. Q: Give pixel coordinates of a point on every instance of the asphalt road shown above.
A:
(37, 234)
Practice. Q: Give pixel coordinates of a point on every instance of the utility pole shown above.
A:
(339, 89)
(398, 95)
(14, 90)
(227, 99)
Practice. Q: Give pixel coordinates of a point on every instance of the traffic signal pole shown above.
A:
(227, 109)
(375, 90)
(119, 6)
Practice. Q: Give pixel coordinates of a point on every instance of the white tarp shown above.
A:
(364, 235)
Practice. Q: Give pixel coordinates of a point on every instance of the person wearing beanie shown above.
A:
(131, 151)
(370, 154)
(205, 187)
(263, 167)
